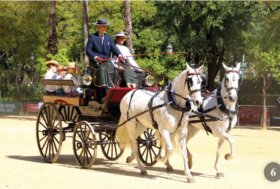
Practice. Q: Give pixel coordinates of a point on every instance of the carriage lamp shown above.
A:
(169, 49)
(86, 79)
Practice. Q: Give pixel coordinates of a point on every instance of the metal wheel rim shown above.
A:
(49, 132)
(84, 144)
(148, 152)
(109, 145)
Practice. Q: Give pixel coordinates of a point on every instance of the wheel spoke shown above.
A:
(43, 138)
(42, 124)
(44, 143)
(150, 153)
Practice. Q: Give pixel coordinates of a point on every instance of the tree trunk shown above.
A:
(128, 25)
(85, 18)
(52, 41)
(214, 66)
(265, 88)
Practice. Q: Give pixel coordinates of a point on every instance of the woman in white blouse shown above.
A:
(131, 66)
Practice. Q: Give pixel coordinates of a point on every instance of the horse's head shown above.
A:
(193, 81)
(230, 83)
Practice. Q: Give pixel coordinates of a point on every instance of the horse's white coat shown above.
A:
(219, 128)
(166, 117)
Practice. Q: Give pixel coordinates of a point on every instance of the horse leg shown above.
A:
(169, 147)
(231, 141)
(183, 144)
(192, 131)
(169, 167)
(218, 158)
(224, 136)
(139, 131)
(134, 131)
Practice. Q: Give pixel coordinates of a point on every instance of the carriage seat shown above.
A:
(58, 82)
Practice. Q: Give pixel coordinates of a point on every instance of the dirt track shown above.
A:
(23, 167)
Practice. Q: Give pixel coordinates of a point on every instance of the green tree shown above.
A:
(263, 48)
(208, 32)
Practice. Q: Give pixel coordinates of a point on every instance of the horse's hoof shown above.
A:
(220, 175)
(190, 180)
(129, 160)
(157, 157)
(169, 169)
(143, 172)
(228, 157)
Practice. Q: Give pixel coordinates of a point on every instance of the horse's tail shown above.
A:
(121, 134)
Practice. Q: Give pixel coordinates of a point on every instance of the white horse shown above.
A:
(167, 110)
(221, 115)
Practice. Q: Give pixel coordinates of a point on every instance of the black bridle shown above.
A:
(225, 82)
(189, 81)
(171, 94)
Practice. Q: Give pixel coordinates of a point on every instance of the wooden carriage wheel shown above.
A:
(69, 113)
(49, 132)
(109, 145)
(148, 147)
(84, 144)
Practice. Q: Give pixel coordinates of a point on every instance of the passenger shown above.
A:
(61, 74)
(130, 66)
(62, 71)
(71, 71)
(99, 49)
(51, 74)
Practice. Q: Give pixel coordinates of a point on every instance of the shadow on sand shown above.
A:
(110, 167)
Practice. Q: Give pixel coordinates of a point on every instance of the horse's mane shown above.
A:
(180, 78)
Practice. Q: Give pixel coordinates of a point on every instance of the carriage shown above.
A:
(87, 118)
(91, 124)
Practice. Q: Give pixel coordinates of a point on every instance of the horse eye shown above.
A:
(227, 79)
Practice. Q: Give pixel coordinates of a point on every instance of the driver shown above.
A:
(99, 49)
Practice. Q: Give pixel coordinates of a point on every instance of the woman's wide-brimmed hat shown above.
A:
(52, 62)
(121, 34)
(101, 22)
(71, 65)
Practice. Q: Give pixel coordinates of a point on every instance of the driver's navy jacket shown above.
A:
(95, 47)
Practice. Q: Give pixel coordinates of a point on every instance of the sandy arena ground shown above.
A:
(23, 167)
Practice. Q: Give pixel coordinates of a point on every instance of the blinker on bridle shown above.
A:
(231, 71)
(189, 81)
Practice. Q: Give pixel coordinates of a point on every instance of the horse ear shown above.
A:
(225, 67)
(238, 65)
(188, 67)
(200, 69)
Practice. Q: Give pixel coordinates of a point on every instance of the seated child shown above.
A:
(74, 90)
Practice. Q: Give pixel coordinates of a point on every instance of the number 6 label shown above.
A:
(272, 172)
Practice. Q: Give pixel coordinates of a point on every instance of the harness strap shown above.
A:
(133, 117)
(174, 104)
(202, 116)
(222, 105)
(150, 105)
(127, 114)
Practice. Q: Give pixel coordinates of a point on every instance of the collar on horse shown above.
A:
(222, 105)
(173, 103)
